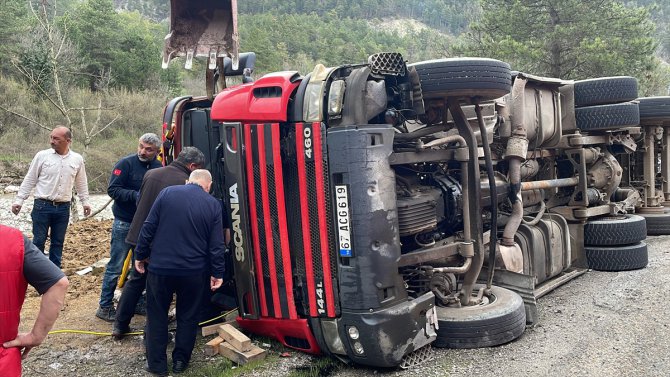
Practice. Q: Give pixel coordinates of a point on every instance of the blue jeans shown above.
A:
(46, 215)
(117, 252)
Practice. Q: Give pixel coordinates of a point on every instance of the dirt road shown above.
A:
(601, 324)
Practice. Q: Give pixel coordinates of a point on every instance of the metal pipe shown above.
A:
(455, 270)
(425, 131)
(538, 217)
(465, 175)
(445, 140)
(493, 192)
(549, 183)
(517, 203)
(474, 225)
(649, 166)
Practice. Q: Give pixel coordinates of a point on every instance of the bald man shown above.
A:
(183, 238)
(52, 174)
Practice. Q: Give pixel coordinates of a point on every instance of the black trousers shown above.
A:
(160, 289)
(130, 296)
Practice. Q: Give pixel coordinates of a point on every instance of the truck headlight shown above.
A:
(353, 332)
(358, 348)
(335, 97)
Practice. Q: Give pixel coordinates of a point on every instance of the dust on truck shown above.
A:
(382, 207)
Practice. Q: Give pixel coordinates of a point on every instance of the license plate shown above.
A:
(343, 221)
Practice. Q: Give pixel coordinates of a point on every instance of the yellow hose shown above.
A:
(125, 269)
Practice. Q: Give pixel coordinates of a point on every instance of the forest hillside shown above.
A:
(94, 65)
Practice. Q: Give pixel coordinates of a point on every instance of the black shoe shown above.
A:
(119, 330)
(107, 313)
(179, 366)
(160, 374)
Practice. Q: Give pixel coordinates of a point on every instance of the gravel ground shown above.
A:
(600, 324)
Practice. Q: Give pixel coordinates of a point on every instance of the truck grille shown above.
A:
(291, 227)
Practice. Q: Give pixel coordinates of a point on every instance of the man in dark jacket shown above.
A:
(189, 159)
(124, 188)
(183, 237)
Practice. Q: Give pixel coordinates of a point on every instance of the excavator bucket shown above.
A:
(202, 28)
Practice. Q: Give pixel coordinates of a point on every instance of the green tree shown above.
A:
(136, 62)
(93, 26)
(568, 39)
(14, 18)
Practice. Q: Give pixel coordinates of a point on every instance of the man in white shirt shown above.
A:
(52, 174)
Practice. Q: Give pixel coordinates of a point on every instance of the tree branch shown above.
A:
(107, 125)
(97, 211)
(25, 118)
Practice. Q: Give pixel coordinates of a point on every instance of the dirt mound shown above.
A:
(86, 242)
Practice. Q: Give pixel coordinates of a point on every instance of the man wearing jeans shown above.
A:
(124, 188)
(177, 173)
(52, 174)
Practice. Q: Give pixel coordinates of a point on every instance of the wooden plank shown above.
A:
(210, 330)
(235, 337)
(212, 347)
(239, 357)
(214, 329)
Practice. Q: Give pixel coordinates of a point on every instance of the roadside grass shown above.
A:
(222, 367)
(321, 367)
(219, 366)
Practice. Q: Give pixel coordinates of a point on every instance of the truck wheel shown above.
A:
(464, 77)
(658, 224)
(605, 117)
(605, 90)
(622, 230)
(499, 320)
(617, 258)
(654, 108)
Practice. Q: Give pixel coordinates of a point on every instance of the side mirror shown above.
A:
(245, 68)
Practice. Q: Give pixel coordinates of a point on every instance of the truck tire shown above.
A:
(617, 258)
(608, 231)
(606, 117)
(490, 324)
(605, 90)
(658, 224)
(652, 108)
(464, 77)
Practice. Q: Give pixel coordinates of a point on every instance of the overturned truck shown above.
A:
(383, 207)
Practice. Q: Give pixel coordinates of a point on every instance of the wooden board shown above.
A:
(212, 347)
(214, 329)
(235, 337)
(239, 357)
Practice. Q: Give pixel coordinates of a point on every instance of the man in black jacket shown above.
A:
(183, 237)
(124, 188)
(189, 159)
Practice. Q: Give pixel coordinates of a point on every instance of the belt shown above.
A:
(52, 202)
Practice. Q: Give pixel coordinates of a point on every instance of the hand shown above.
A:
(140, 265)
(25, 342)
(87, 210)
(215, 283)
(16, 208)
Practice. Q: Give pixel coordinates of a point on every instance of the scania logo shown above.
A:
(238, 238)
